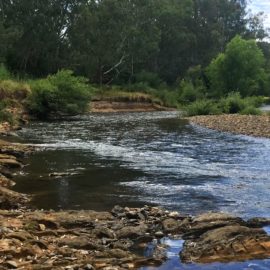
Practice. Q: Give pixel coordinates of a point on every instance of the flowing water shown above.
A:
(134, 159)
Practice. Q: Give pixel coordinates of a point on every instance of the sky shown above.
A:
(261, 5)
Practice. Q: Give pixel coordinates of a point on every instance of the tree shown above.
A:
(110, 37)
(240, 68)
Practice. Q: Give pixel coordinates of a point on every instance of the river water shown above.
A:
(134, 159)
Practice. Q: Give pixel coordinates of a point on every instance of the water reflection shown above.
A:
(147, 158)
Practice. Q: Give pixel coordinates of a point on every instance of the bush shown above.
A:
(149, 78)
(59, 94)
(14, 90)
(4, 73)
(254, 101)
(6, 116)
(251, 110)
(165, 97)
(232, 104)
(202, 107)
(190, 93)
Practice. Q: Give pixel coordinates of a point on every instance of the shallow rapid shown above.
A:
(146, 158)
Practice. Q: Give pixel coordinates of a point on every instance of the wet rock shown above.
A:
(22, 236)
(229, 243)
(159, 234)
(118, 211)
(5, 182)
(81, 242)
(10, 199)
(10, 163)
(123, 244)
(11, 264)
(63, 174)
(104, 232)
(114, 253)
(132, 232)
(196, 226)
(171, 225)
(258, 222)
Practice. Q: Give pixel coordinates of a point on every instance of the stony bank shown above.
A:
(251, 125)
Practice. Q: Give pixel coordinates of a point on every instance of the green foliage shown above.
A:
(58, 94)
(149, 78)
(189, 92)
(14, 90)
(169, 98)
(202, 107)
(120, 95)
(233, 103)
(251, 110)
(4, 73)
(5, 114)
(239, 69)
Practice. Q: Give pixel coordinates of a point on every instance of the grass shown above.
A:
(135, 93)
(232, 104)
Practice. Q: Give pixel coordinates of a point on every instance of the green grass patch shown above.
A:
(232, 104)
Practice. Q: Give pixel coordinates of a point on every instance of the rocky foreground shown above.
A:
(252, 125)
(114, 240)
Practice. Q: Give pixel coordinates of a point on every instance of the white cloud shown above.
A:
(262, 5)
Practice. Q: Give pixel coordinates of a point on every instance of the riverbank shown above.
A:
(251, 125)
(126, 106)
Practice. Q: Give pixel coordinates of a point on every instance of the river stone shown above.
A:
(132, 232)
(11, 264)
(104, 232)
(10, 163)
(229, 243)
(171, 225)
(198, 225)
(258, 222)
(81, 242)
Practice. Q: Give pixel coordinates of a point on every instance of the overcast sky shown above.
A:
(262, 5)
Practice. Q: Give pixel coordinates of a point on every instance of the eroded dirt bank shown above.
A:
(125, 106)
(113, 240)
(252, 125)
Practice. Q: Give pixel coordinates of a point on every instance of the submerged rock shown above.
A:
(229, 243)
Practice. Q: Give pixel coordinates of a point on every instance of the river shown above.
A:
(134, 159)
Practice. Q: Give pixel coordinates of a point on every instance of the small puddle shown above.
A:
(173, 249)
(267, 229)
(174, 262)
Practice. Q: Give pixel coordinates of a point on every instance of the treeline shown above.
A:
(121, 41)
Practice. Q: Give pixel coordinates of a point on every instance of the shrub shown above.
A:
(149, 78)
(190, 93)
(4, 73)
(6, 116)
(58, 94)
(14, 90)
(251, 110)
(202, 107)
(254, 101)
(232, 104)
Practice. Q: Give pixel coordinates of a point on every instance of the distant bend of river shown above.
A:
(134, 159)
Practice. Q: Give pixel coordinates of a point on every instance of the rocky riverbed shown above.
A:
(252, 125)
(117, 239)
